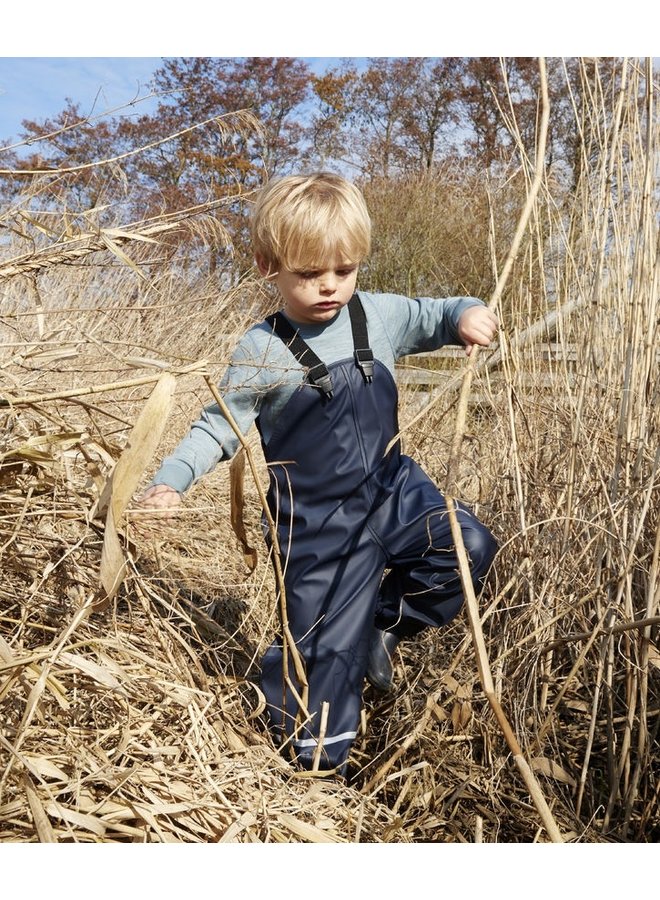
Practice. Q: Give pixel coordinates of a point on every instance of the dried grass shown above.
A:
(141, 721)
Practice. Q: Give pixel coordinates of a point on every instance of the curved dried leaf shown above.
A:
(120, 487)
(552, 769)
(87, 667)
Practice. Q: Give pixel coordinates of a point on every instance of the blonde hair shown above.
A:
(306, 221)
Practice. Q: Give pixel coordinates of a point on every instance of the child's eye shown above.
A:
(307, 275)
(344, 273)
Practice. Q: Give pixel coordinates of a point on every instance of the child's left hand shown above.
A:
(477, 325)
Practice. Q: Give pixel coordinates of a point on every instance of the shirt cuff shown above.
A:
(175, 475)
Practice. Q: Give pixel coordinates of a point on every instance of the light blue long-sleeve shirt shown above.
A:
(263, 374)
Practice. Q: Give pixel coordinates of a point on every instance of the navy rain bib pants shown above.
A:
(345, 514)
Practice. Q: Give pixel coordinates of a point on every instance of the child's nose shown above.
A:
(328, 282)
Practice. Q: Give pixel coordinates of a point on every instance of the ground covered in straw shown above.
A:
(140, 719)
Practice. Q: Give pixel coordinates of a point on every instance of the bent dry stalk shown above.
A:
(454, 463)
(289, 644)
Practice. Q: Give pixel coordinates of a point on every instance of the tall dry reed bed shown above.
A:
(139, 719)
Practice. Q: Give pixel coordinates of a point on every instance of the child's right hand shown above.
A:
(158, 497)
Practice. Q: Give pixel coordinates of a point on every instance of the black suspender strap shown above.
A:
(364, 356)
(317, 371)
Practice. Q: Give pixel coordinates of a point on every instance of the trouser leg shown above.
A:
(330, 607)
(423, 587)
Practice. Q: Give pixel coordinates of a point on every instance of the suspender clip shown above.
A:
(365, 362)
(321, 378)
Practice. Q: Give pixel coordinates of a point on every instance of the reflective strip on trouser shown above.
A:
(345, 513)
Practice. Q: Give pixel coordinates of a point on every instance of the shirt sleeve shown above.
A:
(421, 324)
(211, 438)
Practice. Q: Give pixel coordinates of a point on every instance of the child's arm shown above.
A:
(424, 324)
(211, 438)
(477, 325)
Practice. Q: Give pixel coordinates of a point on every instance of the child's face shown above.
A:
(315, 296)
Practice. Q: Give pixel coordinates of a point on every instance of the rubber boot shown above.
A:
(380, 669)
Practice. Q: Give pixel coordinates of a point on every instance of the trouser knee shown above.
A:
(481, 548)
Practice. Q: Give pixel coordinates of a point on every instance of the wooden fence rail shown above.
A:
(409, 372)
(547, 352)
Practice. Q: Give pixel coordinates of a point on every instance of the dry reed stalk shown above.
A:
(453, 466)
(112, 239)
(643, 739)
(323, 727)
(289, 645)
(633, 430)
(237, 507)
(244, 118)
(96, 389)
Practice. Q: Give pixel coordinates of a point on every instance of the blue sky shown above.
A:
(37, 87)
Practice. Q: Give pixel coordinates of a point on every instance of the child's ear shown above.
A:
(263, 266)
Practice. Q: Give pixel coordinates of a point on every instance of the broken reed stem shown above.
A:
(646, 624)
(410, 739)
(289, 644)
(323, 727)
(486, 679)
(99, 389)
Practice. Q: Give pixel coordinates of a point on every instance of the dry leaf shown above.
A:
(98, 673)
(120, 487)
(46, 356)
(245, 821)
(460, 714)
(309, 833)
(142, 443)
(41, 821)
(113, 561)
(552, 769)
(123, 257)
(89, 823)
(128, 235)
(47, 768)
(237, 496)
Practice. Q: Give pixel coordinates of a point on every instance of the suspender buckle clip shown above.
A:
(365, 362)
(321, 378)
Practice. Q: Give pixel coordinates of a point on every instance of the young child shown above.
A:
(317, 378)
